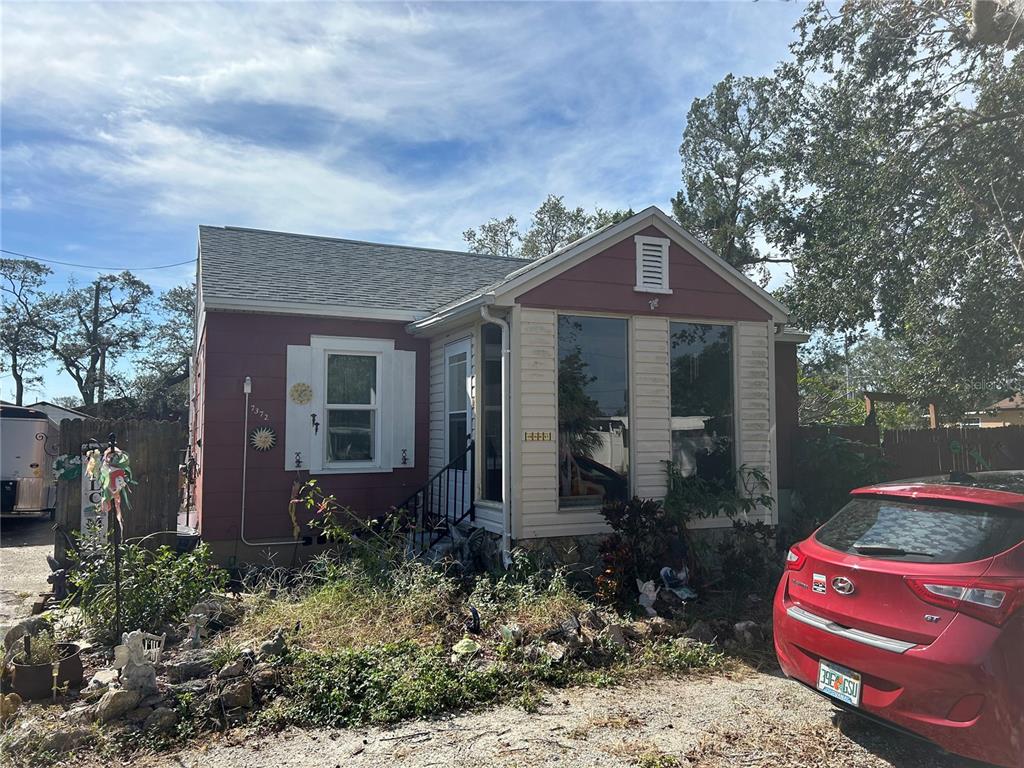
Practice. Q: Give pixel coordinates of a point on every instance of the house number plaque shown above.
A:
(531, 437)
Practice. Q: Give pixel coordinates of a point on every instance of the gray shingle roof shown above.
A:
(257, 266)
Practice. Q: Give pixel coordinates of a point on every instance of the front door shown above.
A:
(458, 366)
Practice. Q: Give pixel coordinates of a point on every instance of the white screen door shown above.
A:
(458, 368)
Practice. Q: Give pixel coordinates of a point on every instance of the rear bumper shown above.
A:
(958, 692)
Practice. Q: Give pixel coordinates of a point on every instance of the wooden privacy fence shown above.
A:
(154, 451)
(922, 452)
(917, 452)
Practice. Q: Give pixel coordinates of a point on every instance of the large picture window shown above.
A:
(702, 400)
(490, 336)
(593, 410)
(352, 408)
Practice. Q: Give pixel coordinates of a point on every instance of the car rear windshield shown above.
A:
(921, 533)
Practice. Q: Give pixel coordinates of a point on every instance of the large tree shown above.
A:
(900, 190)
(21, 340)
(160, 386)
(552, 226)
(730, 151)
(89, 328)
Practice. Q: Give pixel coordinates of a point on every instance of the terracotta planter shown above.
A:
(35, 681)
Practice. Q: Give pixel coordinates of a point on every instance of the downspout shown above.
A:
(506, 433)
(247, 389)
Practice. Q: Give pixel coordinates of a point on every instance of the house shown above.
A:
(509, 395)
(58, 412)
(1007, 412)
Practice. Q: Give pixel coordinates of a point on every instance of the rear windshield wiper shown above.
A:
(885, 549)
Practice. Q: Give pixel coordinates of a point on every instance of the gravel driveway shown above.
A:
(24, 544)
(747, 719)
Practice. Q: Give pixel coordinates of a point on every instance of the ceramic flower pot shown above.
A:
(35, 681)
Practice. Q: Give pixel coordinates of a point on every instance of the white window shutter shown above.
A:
(652, 264)
(298, 426)
(403, 410)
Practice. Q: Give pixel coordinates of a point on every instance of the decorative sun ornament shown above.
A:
(301, 393)
(262, 439)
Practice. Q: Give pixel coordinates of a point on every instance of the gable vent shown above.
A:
(652, 264)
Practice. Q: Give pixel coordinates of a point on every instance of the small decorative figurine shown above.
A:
(648, 594)
(137, 671)
(196, 622)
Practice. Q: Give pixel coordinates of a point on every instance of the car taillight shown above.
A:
(795, 559)
(991, 600)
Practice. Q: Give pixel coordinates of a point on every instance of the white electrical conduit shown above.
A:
(506, 434)
(247, 388)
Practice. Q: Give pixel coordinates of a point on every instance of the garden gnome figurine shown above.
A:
(137, 672)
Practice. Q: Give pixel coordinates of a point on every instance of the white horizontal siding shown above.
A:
(650, 419)
(535, 463)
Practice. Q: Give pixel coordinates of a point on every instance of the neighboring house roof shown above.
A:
(260, 270)
(1011, 403)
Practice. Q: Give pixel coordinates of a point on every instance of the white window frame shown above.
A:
(664, 244)
(379, 349)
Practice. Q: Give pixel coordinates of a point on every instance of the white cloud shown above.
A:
(138, 106)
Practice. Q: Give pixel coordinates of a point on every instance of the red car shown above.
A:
(906, 607)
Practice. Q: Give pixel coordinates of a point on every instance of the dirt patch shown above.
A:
(747, 719)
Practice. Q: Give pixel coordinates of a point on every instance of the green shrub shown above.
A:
(386, 683)
(827, 469)
(157, 586)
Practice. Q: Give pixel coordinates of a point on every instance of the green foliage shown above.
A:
(386, 683)
(157, 586)
(43, 649)
(22, 342)
(729, 151)
(827, 469)
(749, 559)
(552, 226)
(691, 497)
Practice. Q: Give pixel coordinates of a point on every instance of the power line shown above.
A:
(92, 266)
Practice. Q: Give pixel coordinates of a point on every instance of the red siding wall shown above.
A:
(604, 283)
(239, 345)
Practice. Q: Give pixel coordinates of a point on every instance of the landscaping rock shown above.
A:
(104, 678)
(638, 631)
(66, 740)
(195, 687)
(572, 627)
(748, 634)
(191, 665)
(139, 714)
(701, 632)
(617, 635)
(80, 715)
(161, 720)
(659, 626)
(555, 651)
(234, 668)
(237, 693)
(592, 620)
(153, 701)
(116, 703)
(264, 675)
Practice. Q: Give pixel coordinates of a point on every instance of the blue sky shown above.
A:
(125, 126)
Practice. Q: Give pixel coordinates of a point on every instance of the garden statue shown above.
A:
(137, 671)
(196, 622)
(648, 594)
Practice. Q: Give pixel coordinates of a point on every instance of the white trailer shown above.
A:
(28, 444)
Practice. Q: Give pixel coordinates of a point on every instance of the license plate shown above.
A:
(839, 682)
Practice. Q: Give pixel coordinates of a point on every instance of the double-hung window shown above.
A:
(353, 409)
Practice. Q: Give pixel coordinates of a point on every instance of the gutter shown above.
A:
(506, 433)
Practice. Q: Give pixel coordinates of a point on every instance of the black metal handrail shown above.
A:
(437, 506)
